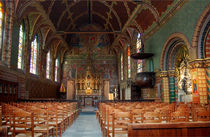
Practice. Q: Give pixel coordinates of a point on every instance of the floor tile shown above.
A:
(86, 125)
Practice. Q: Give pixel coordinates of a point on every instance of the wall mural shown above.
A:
(106, 70)
(88, 48)
(98, 43)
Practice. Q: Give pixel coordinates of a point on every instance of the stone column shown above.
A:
(199, 81)
(164, 86)
(9, 20)
(208, 77)
(172, 93)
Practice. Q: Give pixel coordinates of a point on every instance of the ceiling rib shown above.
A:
(129, 21)
(50, 7)
(109, 15)
(66, 10)
(114, 12)
(88, 32)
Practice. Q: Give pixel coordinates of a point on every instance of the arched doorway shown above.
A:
(176, 76)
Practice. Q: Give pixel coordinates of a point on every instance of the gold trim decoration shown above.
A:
(198, 63)
(163, 73)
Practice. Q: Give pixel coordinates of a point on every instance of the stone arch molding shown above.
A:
(198, 32)
(175, 39)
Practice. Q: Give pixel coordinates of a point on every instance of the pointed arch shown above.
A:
(21, 44)
(34, 55)
(173, 40)
(199, 32)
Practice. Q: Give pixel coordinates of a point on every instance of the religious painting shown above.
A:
(194, 87)
(104, 67)
(103, 41)
(96, 43)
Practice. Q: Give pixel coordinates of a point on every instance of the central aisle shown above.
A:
(86, 125)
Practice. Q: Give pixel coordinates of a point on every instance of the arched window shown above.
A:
(139, 50)
(1, 27)
(129, 61)
(34, 55)
(121, 58)
(56, 70)
(48, 65)
(20, 46)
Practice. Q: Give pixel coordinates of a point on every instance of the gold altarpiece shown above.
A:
(88, 87)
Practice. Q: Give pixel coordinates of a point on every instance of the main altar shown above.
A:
(89, 88)
(90, 69)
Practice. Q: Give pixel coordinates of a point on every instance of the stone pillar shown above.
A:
(172, 93)
(199, 81)
(7, 41)
(208, 77)
(164, 86)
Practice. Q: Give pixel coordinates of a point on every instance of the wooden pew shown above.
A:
(47, 116)
(3, 129)
(188, 129)
(120, 122)
(19, 122)
(23, 124)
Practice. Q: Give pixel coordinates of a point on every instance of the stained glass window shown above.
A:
(121, 58)
(20, 47)
(129, 61)
(1, 24)
(138, 50)
(34, 55)
(56, 69)
(48, 65)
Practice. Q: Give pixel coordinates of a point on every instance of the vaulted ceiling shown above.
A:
(116, 18)
(112, 16)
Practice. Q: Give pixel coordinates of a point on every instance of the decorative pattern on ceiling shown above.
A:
(69, 16)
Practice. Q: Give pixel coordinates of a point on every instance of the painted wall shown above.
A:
(104, 66)
(184, 21)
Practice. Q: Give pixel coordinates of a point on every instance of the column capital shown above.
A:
(198, 63)
(207, 62)
(163, 73)
(172, 73)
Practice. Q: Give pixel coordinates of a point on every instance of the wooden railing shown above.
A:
(8, 91)
(184, 129)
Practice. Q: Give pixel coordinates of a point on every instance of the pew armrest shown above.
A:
(3, 131)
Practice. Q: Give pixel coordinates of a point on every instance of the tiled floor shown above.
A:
(86, 125)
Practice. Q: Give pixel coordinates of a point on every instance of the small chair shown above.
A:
(179, 116)
(120, 122)
(151, 117)
(202, 116)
